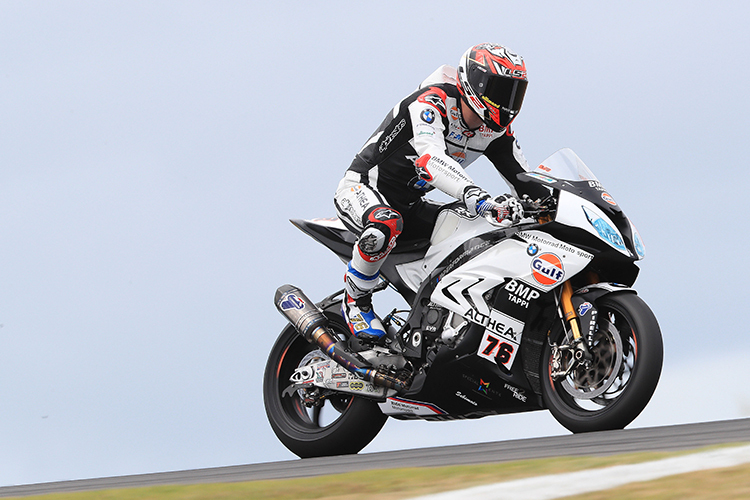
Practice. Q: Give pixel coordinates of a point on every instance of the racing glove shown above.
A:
(505, 208)
(477, 200)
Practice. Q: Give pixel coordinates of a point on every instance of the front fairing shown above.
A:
(583, 202)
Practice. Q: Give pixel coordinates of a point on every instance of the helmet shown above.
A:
(492, 80)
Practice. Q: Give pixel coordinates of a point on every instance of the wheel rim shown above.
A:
(594, 380)
(613, 351)
(328, 407)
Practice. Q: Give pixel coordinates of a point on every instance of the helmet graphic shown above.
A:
(493, 81)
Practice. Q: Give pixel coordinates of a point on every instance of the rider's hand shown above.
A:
(508, 209)
(504, 209)
(477, 200)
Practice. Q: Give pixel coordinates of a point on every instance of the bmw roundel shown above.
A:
(532, 249)
(428, 115)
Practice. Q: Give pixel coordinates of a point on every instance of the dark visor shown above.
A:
(504, 92)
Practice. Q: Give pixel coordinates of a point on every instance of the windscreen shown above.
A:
(565, 165)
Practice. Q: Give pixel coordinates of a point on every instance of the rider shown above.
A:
(424, 142)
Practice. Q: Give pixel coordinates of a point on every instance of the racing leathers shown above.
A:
(422, 144)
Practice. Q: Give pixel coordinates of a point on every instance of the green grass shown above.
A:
(725, 484)
(392, 484)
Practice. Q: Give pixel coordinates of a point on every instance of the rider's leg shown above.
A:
(382, 225)
(365, 212)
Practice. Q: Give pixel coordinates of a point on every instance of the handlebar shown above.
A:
(533, 211)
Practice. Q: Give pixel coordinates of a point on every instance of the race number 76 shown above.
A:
(497, 349)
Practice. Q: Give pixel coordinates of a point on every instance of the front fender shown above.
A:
(584, 300)
(593, 292)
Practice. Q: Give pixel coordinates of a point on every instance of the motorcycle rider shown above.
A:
(455, 116)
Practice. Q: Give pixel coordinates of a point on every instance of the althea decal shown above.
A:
(497, 322)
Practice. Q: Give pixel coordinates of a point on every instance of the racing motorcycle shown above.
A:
(538, 315)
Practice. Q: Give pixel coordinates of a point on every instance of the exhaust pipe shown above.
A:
(312, 324)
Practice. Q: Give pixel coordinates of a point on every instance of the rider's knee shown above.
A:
(382, 225)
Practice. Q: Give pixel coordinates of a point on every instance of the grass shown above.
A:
(392, 484)
(725, 484)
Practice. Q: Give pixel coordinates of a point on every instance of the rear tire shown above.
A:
(624, 375)
(343, 425)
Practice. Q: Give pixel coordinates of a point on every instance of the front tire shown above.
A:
(628, 352)
(343, 425)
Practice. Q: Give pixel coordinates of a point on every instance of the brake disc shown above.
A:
(592, 381)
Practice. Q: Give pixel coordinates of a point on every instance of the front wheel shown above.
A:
(309, 422)
(612, 391)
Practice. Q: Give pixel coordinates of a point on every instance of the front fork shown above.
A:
(579, 352)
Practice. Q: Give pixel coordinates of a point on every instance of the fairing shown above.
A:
(502, 282)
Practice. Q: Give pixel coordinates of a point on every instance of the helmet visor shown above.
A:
(505, 93)
(503, 96)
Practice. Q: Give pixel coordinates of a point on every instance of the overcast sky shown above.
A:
(151, 154)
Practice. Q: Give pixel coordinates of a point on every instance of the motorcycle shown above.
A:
(537, 315)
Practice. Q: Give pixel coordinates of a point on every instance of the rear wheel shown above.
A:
(309, 422)
(612, 391)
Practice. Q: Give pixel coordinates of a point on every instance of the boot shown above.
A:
(356, 307)
(362, 321)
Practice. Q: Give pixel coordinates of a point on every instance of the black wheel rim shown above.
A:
(299, 415)
(607, 372)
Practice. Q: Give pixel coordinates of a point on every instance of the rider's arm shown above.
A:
(507, 157)
(434, 165)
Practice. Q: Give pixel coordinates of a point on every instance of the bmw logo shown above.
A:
(428, 116)
(532, 249)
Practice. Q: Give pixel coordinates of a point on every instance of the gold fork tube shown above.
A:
(568, 311)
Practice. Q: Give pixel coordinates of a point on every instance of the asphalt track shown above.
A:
(666, 438)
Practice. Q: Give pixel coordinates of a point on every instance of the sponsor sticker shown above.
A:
(542, 177)
(291, 301)
(497, 349)
(519, 394)
(584, 308)
(465, 398)
(606, 197)
(428, 115)
(520, 293)
(483, 386)
(459, 156)
(547, 269)
(389, 138)
(398, 406)
(436, 98)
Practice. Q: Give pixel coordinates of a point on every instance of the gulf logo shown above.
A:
(547, 269)
(606, 197)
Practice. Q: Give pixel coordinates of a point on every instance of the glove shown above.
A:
(477, 200)
(507, 209)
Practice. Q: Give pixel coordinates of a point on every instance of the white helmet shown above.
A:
(492, 80)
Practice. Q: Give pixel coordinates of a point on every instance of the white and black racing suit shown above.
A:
(421, 145)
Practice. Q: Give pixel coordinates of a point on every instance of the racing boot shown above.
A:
(356, 307)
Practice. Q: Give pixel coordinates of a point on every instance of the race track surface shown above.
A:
(666, 438)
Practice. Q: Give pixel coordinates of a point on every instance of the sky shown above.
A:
(152, 153)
